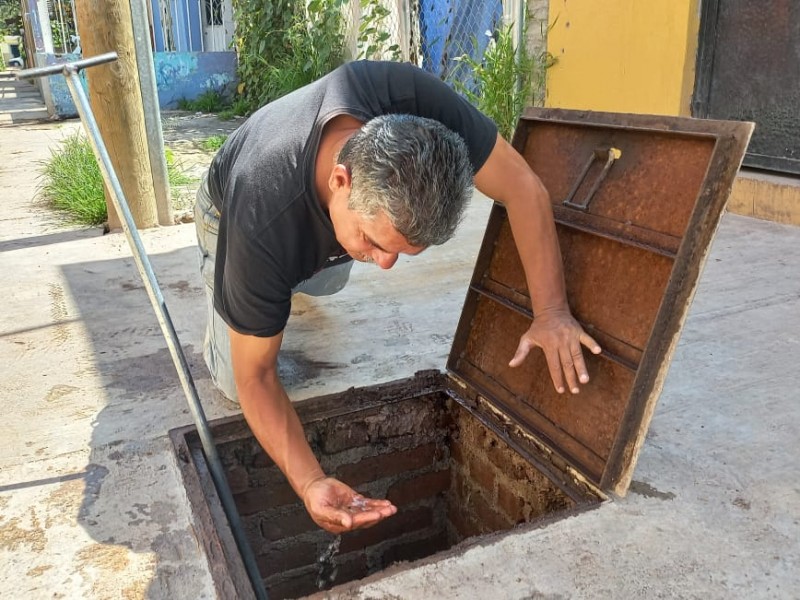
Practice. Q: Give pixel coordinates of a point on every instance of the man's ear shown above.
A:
(340, 177)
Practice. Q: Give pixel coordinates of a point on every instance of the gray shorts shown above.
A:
(216, 345)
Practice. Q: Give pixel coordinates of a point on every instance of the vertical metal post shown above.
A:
(44, 23)
(71, 73)
(152, 114)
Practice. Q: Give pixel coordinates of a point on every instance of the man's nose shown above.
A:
(385, 260)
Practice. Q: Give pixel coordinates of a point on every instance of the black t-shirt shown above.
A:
(274, 232)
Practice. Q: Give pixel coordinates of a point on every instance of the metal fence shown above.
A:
(429, 33)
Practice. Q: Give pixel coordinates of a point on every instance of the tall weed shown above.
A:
(71, 181)
(503, 81)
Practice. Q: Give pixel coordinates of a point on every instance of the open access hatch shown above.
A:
(486, 448)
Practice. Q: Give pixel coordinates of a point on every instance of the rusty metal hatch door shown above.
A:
(637, 200)
(748, 68)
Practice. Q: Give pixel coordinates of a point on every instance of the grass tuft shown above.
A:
(210, 101)
(213, 143)
(71, 181)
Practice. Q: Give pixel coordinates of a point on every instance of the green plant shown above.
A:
(286, 44)
(10, 17)
(373, 37)
(175, 173)
(213, 143)
(315, 47)
(502, 81)
(210, 101)
(71, 181)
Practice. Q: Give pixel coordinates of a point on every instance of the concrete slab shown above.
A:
(20, 101)
(91, 504)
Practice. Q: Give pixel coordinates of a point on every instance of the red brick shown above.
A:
(511, 503)
(344, 435)
(287, 525)
(411, 551)
(488, 518)
(457, 453)
(419, 488)
(464, 525)
(350, 567)
(385, 465)
(296, 585)
(257, 500)
(286, 557)
(482, 474)
(510, 462)
(413, 416)
(238, 479)
(262, 460)
(458, 484)
(394, 526)
(263, 477)
(252, 530)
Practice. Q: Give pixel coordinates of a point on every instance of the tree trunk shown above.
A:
(116, 99)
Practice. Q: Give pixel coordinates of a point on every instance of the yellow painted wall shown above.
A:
(623, 55)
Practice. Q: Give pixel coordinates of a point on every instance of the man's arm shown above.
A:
(506, 177)
(333, 505)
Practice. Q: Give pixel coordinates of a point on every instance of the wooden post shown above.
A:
(116, 99)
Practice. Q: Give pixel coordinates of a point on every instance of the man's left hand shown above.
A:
(560, 337)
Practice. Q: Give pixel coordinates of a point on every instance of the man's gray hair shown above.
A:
(415, 170)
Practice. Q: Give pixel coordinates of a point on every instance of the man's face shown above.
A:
(369, 239)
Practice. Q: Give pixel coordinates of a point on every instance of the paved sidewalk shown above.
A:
(91, 501)
(20, 101)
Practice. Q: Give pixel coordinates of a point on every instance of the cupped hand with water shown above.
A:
(337, 508)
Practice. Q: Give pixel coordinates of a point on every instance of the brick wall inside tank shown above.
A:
(449, 475)
(494, 488)
(396, 451)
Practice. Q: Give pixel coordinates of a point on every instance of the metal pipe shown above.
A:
(71, 73)
(62, 68)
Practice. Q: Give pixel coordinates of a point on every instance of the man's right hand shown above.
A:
(337, 508)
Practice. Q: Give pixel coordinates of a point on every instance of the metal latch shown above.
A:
(610, 155)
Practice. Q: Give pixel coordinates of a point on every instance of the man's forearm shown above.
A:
(507, 178)
(276, 426)
(531, 220)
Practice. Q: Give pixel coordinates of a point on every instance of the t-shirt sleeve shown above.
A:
(252, 297)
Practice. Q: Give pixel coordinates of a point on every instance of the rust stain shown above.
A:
(66, 502)
(13, 535)
(136, 590)
(37, 571)
(102, 556)
(101, 565)
(59, 391)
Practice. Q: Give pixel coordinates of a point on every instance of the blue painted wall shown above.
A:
(59, 92)
(190, 74)
(178, 75)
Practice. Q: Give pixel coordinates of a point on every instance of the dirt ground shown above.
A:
(184, 134)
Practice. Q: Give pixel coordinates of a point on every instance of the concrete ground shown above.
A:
(91, 500)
